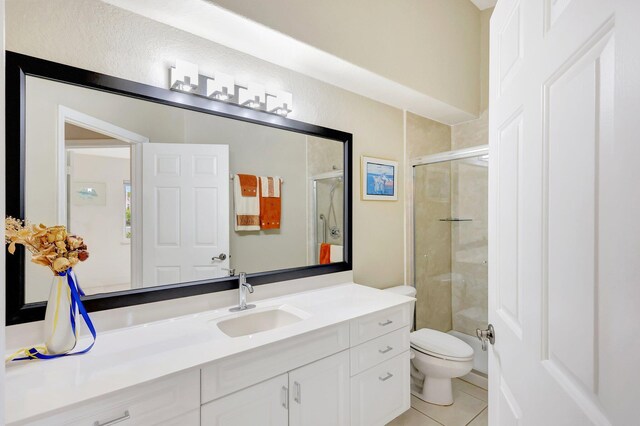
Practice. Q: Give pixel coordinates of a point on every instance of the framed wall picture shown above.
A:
(379, 179)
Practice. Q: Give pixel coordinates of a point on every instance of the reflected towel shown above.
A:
(270, 202)
(325, 253)
(248, 185)
(246, 207)
(336, 253)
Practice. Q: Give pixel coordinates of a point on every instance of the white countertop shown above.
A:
(134, 355)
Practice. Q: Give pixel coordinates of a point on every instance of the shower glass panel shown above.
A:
(450, 237)
(328, 203)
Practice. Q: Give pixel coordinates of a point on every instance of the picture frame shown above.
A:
(379, 179)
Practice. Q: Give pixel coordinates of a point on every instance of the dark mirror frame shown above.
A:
(19, 66)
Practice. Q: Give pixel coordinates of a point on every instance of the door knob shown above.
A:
(485, 336)
(221, 256)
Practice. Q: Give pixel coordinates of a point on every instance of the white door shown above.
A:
(185, 219)
(263, 404)
(319, 393)
(564, 293)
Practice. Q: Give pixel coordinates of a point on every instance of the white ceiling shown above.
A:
(484, 4)
(221, 26)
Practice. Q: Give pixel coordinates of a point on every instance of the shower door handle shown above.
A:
(485, 336)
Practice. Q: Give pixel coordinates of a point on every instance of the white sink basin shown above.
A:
(252, 322)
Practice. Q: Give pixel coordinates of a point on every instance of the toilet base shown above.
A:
(434, 391)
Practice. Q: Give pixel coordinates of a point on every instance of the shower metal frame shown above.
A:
(441, 157)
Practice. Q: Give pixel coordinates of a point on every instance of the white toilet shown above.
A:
(437, 358)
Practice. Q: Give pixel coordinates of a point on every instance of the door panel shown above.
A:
(319, 392)
(186, 212)
(261, 404)
(563, 148)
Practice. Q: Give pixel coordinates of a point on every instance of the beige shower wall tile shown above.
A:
(425, 136)
(471, 133)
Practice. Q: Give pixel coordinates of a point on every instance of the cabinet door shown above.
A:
(261, 404)
(319, 392)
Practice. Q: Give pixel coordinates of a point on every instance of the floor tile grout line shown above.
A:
(473, 396)
(478, 415)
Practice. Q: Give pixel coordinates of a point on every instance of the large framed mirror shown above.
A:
(159, 184)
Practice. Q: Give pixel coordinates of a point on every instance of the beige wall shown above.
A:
(428, 45)
(96, 36)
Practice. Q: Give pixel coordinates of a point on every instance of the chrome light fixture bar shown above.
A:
(184, 77)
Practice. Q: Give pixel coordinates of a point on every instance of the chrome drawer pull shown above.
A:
(298, 395)
(384, 351)
(126, 416)
(385, 378)
(285, 397)
(383, 324)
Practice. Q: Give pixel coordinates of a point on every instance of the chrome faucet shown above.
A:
(242, 293)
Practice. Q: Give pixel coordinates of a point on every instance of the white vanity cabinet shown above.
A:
(350, 366)
(319, 393)
(314, 395)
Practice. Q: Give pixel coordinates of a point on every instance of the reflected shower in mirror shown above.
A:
(151, 189)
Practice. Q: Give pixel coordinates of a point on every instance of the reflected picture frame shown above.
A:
(379, 179)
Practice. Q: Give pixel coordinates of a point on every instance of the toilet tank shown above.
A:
(405, 290)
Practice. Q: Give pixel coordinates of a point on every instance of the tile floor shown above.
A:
(469, 409)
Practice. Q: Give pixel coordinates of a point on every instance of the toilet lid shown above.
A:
(441, 345)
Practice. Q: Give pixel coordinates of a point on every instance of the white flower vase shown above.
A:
(59, 336)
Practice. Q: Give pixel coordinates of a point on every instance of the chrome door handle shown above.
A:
(385, 378)
(122, 418)
(485, 336)
(221, 256)
(383, 324)
(384, 351)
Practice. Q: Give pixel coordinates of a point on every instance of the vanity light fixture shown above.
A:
(279, 102)
(221, 87)
(253, 95)
(184, 76)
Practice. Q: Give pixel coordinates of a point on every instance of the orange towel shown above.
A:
(248, 185)
(325, 253)
(270, 204)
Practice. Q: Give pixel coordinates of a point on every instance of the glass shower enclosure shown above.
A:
(450, 244)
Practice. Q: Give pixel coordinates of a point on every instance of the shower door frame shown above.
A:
(314, 179)
(441, 157)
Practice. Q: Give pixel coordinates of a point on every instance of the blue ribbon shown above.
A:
(76, 303)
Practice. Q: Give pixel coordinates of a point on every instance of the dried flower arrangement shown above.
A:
(50, 246)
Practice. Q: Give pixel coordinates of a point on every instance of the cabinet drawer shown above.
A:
(374, 325)
(381, 393)
(245, 369)
(378, 350)
(153, 403)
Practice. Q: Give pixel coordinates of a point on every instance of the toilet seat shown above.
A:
(440, 345)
